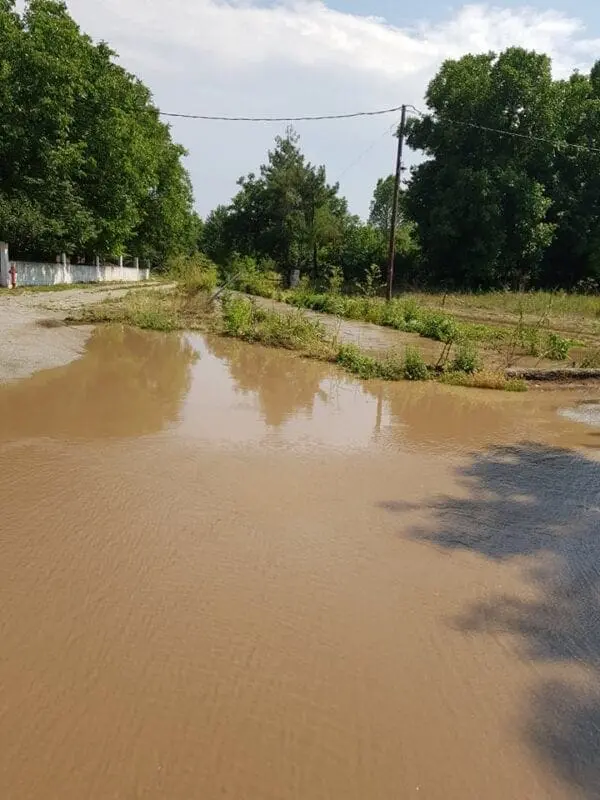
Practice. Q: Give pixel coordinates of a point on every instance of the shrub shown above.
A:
(372, 283)
(414, 367)
(243, 319)
(434, 325)
(411, 310)
(335, 280)
(245, 274)
(392, 368)
(193, 274)
(466, 359)
(358, 363)
(238, 316)
(557, 347)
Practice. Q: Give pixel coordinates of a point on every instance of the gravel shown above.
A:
(32, 337)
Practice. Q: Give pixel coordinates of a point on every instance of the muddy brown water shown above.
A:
(229, 573)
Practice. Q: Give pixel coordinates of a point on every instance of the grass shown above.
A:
(560, 303)
(408, 315)
(242, 318)
(484, 380)
(505, 343)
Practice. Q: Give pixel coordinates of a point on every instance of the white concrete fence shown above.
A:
(29, 273)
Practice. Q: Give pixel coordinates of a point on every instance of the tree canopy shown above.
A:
(86, 165)
(507, 194)
(290, 216)
(500, 200)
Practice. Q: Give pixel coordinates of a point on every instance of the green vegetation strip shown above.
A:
(189, 307)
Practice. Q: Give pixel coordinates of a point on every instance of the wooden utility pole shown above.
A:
(392, 251)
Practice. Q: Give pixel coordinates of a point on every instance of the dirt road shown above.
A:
(31, 336)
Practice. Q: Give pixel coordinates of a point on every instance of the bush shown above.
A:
(238, 316)
(245, 274)
(358, 363)
(414, 367)
(466, 359)
(335, 280)
(392, 368)
(434, 325)
(243, 319)
(372, 283)
(557, 347)
(193, 274)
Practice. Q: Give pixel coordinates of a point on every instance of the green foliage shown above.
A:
(245, 320)
(438, 326)
(411, 367)
(557, 347)
(194, 274)
(507, 211)
(414, 368)
(335, 280)
(245, 274)
(86, 165)
(466, 358)
(380, 213)
(372, 282)
(353, 359)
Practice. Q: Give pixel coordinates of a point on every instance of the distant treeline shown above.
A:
(508, 195)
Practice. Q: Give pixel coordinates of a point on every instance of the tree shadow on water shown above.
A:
(541, 503)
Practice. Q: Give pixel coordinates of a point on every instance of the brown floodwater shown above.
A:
(230, 573)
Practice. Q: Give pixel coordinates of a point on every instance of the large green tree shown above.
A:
(86, 165)
(287, 213)
(481, 200)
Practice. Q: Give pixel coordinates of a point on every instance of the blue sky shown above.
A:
(280, 57)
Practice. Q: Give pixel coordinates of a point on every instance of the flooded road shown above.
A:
(229, 573)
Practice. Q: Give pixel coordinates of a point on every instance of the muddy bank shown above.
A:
(231, 573)
(31, 336)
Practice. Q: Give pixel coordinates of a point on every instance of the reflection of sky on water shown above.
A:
(247, 394)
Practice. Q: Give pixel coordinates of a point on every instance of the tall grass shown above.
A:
(149, 310)
(535, 303)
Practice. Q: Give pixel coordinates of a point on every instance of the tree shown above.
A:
(287, 213)
(380, 215)
(481, 200)
(86, 165)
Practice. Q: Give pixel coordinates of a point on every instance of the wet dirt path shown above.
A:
(31, 335)
(229, 573)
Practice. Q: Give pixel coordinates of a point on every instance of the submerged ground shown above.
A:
(230, 572)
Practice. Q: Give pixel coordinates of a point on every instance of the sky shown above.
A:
(308, 57)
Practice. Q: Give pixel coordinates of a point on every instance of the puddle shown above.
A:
(223, 392)
(227, 572)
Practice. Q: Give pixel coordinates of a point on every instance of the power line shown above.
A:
(554, 142)
(283, 119)
(367, 150)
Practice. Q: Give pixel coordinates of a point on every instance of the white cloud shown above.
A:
(301, 57)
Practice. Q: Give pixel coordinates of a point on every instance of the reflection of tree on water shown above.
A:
(128, 383)
(283, 384)
(430, 413)
(542, 503)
